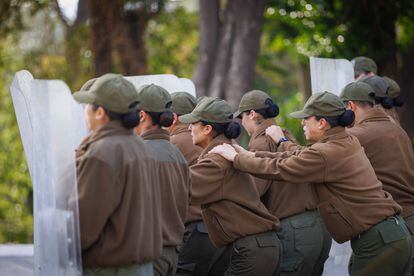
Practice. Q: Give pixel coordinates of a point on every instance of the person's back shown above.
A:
(124, 201)
(172, 170)
(117, 187)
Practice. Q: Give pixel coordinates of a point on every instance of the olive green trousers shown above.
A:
(410, 224)
(145, 269)
(384, 249)
(166, 264)
(306, 244)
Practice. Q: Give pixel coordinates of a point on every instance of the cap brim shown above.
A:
(84, 97)
(237, 114)
(188, 119)
(299, 114)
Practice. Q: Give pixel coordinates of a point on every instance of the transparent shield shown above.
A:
(330, 75)
(57, 127)
(170, 82)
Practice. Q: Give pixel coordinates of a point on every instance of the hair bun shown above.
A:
(398, 101)
(130, 120)
(387, 102)
(233, 130)
(166, 119)
(347, 118)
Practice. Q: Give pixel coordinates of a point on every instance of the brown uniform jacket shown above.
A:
(350, 197)
(229, 200)
(390, 152)
(181, 137)
(281, 199)
(118, 199)
(175, 185)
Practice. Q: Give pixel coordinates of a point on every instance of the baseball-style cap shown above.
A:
(321, 104)
(212, 110)
(358, 91)
(379, 85)
(364, 64)
(111, 91)
(87, 85)
(255, 99)
(154, 98)
(182, 103)
(393, 87)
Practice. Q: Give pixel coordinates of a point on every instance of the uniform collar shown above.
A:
(261, 129)
(156, 134)
(337, 132)
(180, 128)
(114, 127)
(374, 114)
(220, 139)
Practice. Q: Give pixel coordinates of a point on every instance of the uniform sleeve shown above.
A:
(98, 196)
(207, 178)
(263, 143)
(304, 166)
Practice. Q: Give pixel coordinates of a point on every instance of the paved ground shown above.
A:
(16, 260)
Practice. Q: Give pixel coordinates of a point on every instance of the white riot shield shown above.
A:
(51, 125)
(169, 82)
(330, 75)
(333, 75)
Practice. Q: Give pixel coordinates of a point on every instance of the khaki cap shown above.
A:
(393, 87)
(321, 104)
(111, 91)
(212, 110)
(358, 91)
(379, 85)
(154, 98)
(255, 99)
(87, 85)
(182, 103)
(364, 64)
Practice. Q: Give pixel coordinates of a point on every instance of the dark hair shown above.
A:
(361, 103)
(271, 111)
(128, 120)
(386, 102)
(398, 101)
(162, 119)
(345, 119)
(231, 130)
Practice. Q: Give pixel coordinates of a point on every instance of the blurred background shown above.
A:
(226, 46)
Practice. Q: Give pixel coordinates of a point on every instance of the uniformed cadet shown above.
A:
(117, 188)
(364, 67)
(352, 202)
(382, 98)
(386, 145)
(197, 253)
(305, 240)
(395, 95)
(230, 203)
(172, 169)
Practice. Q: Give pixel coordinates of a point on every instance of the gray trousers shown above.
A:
(306, 244)
(166, 264)
(145, 269)
(254, 255)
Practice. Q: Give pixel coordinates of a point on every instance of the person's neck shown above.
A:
(147, 127)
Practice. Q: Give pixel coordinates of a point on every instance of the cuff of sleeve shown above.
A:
(284, 146)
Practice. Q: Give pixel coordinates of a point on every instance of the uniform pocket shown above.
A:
(267, 241)
(392, 232)
(219, 227)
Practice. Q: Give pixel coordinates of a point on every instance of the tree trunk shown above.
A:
(228, 48)
(209, 30)
(100, 15)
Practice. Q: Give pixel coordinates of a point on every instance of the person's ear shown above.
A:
(252, 114)
(100, 113)
(207, 129)
(142, 116)
(351, 105)
(175, 118)
(323, 124)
